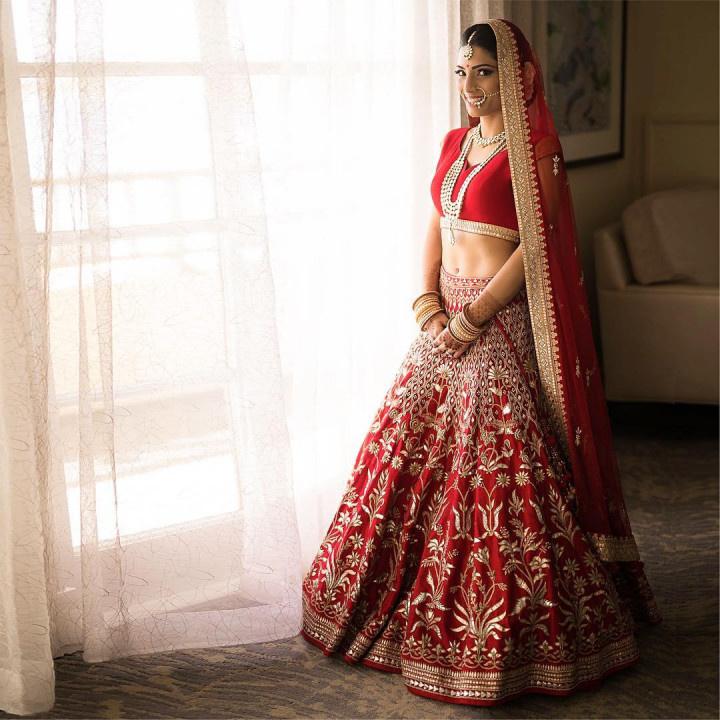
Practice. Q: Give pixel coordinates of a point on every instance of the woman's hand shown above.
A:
(436, 324)
(444, 342)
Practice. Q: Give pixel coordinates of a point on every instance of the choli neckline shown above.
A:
(466, 164)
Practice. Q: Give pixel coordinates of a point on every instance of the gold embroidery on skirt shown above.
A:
(458, 459)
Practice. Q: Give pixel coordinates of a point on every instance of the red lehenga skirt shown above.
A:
(455, 557)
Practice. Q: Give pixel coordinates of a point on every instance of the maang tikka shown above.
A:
(467, 49)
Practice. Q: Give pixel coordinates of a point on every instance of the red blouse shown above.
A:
(489, 197)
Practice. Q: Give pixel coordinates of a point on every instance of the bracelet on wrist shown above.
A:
(426, 306)
(462, 328)
(427, 319)
(428, 294)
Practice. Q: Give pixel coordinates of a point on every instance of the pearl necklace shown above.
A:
(451, 208)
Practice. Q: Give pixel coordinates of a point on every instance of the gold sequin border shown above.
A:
(331, 635)
(529, 212)
(613, 548)
(498, 684)
(482, 684)
(481, 228)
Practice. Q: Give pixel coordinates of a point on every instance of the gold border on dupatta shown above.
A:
(615, 548)
(529, 214)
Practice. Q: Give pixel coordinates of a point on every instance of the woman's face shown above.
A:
(478, 73)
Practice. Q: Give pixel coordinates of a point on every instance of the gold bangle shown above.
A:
(419, 317)
(429, 300)
(466, 322)
(423, 305)
(462, 328)
(428, 318)
(456, 329)
(427, 312)
(425, 295)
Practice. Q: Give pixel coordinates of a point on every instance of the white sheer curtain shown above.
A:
(144, 455)
(352, 102)
(210, 221)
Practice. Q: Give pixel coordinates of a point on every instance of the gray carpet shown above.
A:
(668, 456)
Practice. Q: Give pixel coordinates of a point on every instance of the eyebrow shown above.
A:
(477, 66)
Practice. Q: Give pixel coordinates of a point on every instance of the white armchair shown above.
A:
(657, 286)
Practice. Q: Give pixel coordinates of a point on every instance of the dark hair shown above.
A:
(484, 38)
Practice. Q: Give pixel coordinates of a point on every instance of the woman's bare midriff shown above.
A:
(475, 255)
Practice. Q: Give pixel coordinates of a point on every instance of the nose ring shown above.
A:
(484, 98)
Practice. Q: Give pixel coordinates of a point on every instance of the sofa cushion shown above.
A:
(672, 236)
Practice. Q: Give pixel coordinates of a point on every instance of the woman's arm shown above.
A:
(432, 249)
(506, 283)
(430, 274)
(431, 255)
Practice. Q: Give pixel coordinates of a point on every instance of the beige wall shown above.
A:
(671, 68)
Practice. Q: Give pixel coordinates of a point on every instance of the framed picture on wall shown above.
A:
(585, 78)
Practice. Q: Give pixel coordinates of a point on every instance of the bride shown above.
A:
(482, 548)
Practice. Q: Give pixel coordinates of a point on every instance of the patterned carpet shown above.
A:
(669, 461)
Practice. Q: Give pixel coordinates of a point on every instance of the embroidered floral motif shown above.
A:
(556, 160)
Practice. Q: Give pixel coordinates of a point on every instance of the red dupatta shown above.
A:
(567, 360)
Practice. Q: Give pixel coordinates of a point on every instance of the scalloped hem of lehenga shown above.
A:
(587, 684)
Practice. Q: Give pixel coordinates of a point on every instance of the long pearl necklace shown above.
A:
(451, 208)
